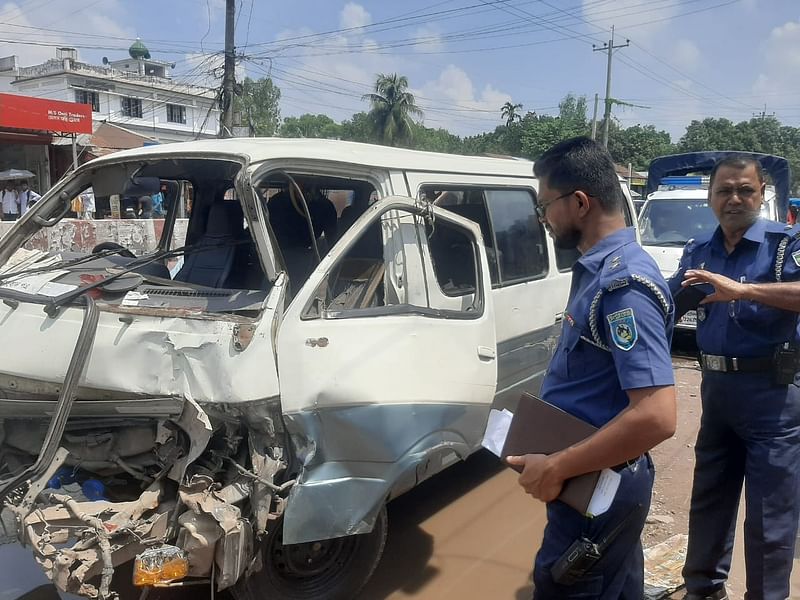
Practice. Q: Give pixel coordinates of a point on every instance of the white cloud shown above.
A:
(777, 81)
(686, 55)
(354, 15)
(629, 13)
(451, 101)
(428, 38)
(104, 18)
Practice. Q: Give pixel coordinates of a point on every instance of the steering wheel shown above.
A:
(121, 250)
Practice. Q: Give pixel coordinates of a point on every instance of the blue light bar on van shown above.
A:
(683, 180)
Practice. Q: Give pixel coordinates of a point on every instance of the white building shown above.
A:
(136, 93)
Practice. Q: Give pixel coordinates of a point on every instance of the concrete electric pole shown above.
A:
(229, 77)
(594, 118)
(609, 48)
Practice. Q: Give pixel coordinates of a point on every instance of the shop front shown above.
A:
(28, 128)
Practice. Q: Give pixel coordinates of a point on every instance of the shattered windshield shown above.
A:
(672, 222)
(137, 234)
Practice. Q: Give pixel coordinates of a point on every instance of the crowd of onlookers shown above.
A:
(17, 198)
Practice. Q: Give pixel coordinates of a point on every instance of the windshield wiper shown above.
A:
(62, 264)
(51, 308)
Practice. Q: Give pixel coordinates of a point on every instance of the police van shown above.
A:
(677, 209)
(243, 400)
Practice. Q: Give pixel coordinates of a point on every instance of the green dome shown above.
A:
(138, 50)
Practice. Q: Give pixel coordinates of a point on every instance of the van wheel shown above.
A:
(333, 569)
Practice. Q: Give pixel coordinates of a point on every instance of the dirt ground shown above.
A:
(470, 533)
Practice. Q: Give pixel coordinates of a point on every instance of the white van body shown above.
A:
(672, 216)
(276, 410)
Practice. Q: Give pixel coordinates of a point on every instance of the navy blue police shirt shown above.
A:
(741, 328)
(616, 331)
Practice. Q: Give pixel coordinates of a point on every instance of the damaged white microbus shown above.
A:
(240, 403)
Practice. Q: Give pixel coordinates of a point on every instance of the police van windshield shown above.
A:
(670, 222)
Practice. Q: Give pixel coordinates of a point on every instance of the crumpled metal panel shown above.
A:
(152, 356)
(356, 458)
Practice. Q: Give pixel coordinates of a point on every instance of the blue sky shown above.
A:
(687, 59)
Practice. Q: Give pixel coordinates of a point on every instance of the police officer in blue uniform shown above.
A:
(612, 368)
(750, 427)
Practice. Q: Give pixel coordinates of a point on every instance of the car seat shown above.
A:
(210, 261)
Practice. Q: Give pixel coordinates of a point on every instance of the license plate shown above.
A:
(689, 319)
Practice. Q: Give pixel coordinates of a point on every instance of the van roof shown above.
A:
(262, 149)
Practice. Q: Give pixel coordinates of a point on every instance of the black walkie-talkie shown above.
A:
(583, 553)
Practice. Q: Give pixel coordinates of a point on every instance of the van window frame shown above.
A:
(452, 186)
(308, 313)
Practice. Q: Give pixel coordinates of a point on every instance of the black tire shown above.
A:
(334, 569)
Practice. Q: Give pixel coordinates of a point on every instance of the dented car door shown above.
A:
(386, 359)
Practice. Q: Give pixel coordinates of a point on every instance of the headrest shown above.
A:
(225, 219)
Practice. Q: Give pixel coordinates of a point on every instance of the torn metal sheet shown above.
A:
(196, 424)
(663, 564)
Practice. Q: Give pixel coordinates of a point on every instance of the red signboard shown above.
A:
(24, 112)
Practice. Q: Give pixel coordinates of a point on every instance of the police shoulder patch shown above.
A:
(623, 329)
(796, 257)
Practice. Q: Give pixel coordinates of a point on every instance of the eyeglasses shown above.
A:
(541, 208)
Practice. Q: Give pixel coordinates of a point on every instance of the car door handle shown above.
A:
(559, 317)
(486, 353)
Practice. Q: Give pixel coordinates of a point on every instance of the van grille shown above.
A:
(185, 293)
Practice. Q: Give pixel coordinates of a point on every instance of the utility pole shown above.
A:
(609, 48)
(594, 117)
(229, 77)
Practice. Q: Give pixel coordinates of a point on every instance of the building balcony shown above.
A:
(69, 66)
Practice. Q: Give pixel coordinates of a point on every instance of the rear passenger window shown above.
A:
(519, 236)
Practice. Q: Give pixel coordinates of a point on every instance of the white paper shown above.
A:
(604, 492)
(33, 284)
(132, 298)
(54, 290)
(496, 431)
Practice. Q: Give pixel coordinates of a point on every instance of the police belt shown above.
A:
(731, 364)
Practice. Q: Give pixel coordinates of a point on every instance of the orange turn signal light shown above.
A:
(156, 566)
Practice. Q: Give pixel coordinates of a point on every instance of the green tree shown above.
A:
(436, 140)
(710, 134)
(310, 126)
(510, 112)
(540, 132)
(358, 128)
(392, 109)
(258, 105)
(638, 145)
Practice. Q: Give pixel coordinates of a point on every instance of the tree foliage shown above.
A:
(638, 145)
(510, 112)
(392, 110)
(310, 126)
(259, 106)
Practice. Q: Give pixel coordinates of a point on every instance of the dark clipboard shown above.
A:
(688, 298)
(538, 427)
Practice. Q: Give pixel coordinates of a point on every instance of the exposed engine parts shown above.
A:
(207, 487)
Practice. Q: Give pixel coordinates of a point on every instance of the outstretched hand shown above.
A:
(725, 288)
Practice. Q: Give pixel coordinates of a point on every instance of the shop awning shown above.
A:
(44, 115)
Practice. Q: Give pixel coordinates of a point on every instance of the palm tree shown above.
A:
(392, 109)
(510, 113)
